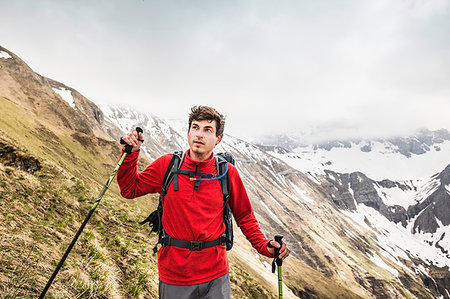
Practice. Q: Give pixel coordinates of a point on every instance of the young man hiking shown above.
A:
(195, 213)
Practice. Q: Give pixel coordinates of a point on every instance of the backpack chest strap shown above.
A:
(193, 176)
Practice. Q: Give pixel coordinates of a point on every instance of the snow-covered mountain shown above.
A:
(418, 209)
(402, 178)
(414, 157)
(361, 231)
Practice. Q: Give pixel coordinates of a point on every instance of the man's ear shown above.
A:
(220, 139)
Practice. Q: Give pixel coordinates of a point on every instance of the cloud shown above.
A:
(362, 67)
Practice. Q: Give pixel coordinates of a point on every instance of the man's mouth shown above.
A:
(198, 142)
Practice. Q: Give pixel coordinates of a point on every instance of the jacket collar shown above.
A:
(190, 161)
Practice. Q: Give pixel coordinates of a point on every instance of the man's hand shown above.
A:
(134, 139)
(284, 251)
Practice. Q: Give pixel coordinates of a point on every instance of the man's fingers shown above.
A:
(275, 244)
(133, 137)
(284, 252)
(136, 137)
(129, 140)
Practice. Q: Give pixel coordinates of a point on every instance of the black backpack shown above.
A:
(154, 219)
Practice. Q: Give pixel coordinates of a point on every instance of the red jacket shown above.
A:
(193, 215)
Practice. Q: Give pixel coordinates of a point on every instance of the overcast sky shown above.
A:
(335, 68)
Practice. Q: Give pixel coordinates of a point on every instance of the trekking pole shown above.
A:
(279, 263)
(91, 211)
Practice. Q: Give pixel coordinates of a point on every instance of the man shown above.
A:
(195, 214)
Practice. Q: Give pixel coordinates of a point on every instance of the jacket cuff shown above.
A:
(264, 251)
(131, 156)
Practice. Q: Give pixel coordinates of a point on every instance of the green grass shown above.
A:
(48, 214)
(247, 286)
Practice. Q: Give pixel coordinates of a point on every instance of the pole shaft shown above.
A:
(280, 283)
(91, 211)
(279, 262)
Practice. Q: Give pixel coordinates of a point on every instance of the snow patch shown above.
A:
(331, 176)
(66, 95)
(303, 194)
(272, 214)
(397, 196)
(440, 238)
(267, 265)
(399, 241)
(277, 203)
(379, 262)
(350, 190)
(382, 162)
(427, 189)
(313, 177)
(4, 55)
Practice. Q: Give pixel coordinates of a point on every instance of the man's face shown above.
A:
(202, 139)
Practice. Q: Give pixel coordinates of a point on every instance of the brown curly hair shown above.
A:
(200, 113)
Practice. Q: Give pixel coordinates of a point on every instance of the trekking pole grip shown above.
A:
(128, 147)
(278, 239)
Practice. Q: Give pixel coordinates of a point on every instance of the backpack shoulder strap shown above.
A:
(221, 163)
(171, 172)
(168, 176)
(227, 157)
(221, 168)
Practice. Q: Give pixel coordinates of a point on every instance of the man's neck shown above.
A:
(196, 157)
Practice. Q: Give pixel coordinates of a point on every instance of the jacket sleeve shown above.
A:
(244, 215)
(133, 184)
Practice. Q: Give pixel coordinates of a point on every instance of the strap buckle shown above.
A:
(197, 245)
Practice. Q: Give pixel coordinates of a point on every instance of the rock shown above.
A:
(10, 156)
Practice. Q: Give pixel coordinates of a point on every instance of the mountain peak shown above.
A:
(444, 176)
(53, 103)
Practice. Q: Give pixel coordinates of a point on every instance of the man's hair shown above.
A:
(199, 113)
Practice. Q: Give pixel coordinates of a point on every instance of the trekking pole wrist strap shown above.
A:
(276, 261)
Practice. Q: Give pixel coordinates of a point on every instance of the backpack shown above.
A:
(172, 172)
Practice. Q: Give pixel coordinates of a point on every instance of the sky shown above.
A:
(317, 69)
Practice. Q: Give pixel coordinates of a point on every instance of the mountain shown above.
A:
(402, 158)
(418, 200)
(408, 212)
(433, 211)
(346, 240)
